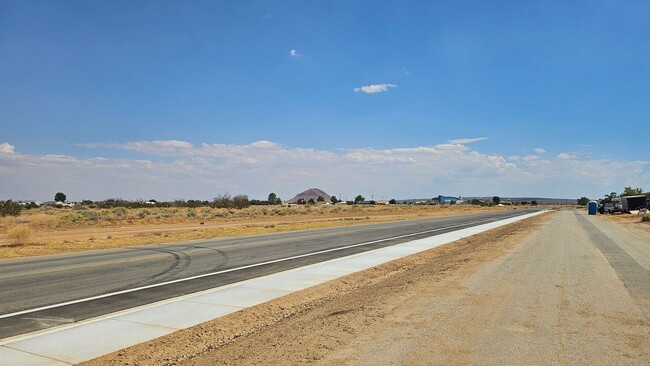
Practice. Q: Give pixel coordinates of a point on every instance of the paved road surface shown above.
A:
(37, 282)
(576, 292)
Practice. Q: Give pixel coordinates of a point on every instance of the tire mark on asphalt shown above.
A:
(634, 276)
(221, 254)
(180, 262)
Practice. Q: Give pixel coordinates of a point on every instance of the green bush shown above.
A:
(10, 208)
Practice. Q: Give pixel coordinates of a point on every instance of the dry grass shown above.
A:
(20, 234)
(73, 230)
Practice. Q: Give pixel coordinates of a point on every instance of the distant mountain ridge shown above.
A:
(311, 193)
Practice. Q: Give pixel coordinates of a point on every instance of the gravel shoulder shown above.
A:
(534, 292)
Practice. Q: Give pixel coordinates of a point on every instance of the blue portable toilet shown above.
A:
(592, 207)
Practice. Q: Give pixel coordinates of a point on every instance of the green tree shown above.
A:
(320, 199)
(533, 202)
(629, 191)
(334, 200)
(392, 202)
(496, 200)
(241, 201)
(274, 199)
(301, 201)
(60, 197)
(311, 201)
(582, 201)
(223, 201)
(359, 199)
(608, 197)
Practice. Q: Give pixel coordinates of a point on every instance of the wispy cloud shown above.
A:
(171, 169)
(565, 156)
(539, 150)
(375, 88)
(467, 140)
(293, 53)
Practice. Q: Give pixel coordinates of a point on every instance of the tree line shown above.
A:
(627, 191)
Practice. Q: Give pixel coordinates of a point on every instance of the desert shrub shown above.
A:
(92, 215)
(191, 213)
(10, 208)
(20, 234)
(143, 213)
(645, 218)
(31, 205)
(119, 212)
(221, 213)
(73, 217)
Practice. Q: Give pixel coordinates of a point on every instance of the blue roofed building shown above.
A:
(449, 199)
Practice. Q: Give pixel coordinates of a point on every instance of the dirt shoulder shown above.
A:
(631, 222)
(314, 324)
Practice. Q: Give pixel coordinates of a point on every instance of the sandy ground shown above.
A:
(534, 292)
(631, 222)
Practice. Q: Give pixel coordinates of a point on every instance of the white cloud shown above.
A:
(293, 53)
(539, 150)
(467, 140)
(375, 88)
(171, 169)
(565, 156)
(5, 148)
(530, 158)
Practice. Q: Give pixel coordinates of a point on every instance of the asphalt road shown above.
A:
(32, 283)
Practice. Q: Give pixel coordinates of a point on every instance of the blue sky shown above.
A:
(395, 99)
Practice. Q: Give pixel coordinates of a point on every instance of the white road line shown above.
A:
(53, 306)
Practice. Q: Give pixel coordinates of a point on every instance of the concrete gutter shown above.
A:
(85, 340)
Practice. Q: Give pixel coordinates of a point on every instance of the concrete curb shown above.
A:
(74, 343)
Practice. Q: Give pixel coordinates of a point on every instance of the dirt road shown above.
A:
(575, 291)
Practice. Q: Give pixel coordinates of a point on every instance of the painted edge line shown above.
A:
(78, 301)
(7, 341)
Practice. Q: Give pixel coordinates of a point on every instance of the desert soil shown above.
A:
(534, 292)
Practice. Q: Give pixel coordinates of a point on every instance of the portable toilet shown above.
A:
(592, 207)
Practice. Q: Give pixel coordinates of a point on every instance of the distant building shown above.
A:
(449, 199)
(635, 202)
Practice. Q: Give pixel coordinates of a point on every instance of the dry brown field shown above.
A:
(51, 230)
